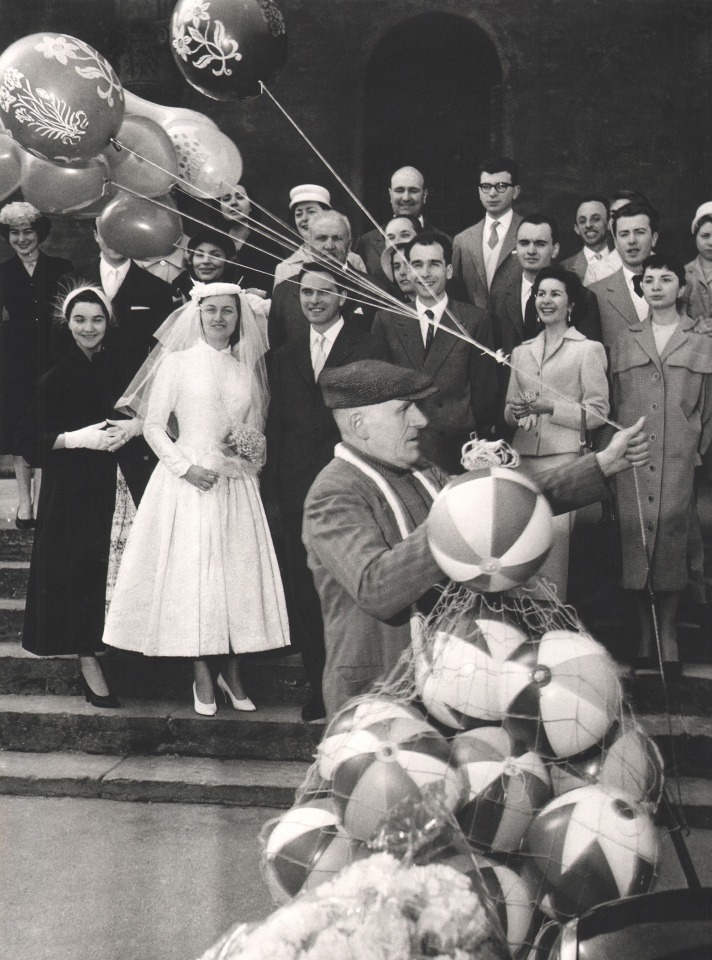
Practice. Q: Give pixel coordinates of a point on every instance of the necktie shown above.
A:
(637, 280)
(111, 283)
(430, 332)
(532, 325)
(319, 355)
(494, 236)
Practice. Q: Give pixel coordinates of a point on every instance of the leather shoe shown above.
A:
(313, 710)
(24, 524)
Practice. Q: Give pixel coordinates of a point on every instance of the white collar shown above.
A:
(504, 221)
(121, 270)
(628, 274)
(331, 334)
(590, 255)
(437, 309)
(527, 284)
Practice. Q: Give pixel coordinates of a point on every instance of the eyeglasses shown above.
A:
(500, 187)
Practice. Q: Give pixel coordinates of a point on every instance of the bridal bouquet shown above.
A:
(247, 443)
(378, 908)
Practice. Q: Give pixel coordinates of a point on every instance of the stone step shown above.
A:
(11, 616)
(13, 580)
(168, 779)
(47, 724)
(685, 741)
(270, 677)
(15, 544)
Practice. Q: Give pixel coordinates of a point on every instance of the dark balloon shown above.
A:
(139, 228)
(225, 48)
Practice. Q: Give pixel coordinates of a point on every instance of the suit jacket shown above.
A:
(367, 576)
(577, 264)
(286, 318)
(301, 431)
(615, 306)
(466, 378)
(469, 264)
(370, 246)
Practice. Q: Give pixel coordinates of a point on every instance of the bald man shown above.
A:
(408, 195)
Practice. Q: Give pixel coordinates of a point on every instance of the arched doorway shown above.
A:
(432, 99)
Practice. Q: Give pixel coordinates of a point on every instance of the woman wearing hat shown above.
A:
(28, 288)
(307, 201)
(698, 272)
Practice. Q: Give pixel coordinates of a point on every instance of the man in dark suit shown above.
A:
(466, 379)
(483, 250)
(330, 241)
(597, 259)
(301, 436)
(140, 303)
(635, 232)
(408, 195)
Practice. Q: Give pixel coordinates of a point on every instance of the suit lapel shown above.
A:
(408, 332)
(302, 359)
(620, 299)
(443, 342)
(514, 306)
(678, 339)
(478, 233)
(509, 242)
(343, 345)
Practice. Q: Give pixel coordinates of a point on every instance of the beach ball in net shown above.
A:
(505, 788)
(457, 675)
(305, 847)
(629, 762)
(510, 895)
(361, 713)
(560, 695)
(490, 529)
(386, 763)
(587, 847)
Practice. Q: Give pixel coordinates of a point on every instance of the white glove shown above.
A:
(130, 428)
(89, 438)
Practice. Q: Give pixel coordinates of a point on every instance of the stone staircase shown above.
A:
(52, 743)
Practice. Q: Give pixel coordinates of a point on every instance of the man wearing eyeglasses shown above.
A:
(482, 250)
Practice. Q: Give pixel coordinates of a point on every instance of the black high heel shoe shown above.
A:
(94, 699)
(24, 524)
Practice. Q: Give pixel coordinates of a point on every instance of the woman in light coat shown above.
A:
(559, 362)
(661, 370)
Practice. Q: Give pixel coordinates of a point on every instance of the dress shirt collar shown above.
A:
(437, 309)
(329, 335)
(504, 222)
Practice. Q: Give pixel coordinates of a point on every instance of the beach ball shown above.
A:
(224, 48)
(630, 763)
(590, 846)
(388, 762)
(560, 695)
(505, 788)
(516, 911)
(457, 676)
(59, 98)
(305, 847)
(355, 716)
(490, 529)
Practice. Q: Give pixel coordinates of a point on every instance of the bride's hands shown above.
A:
(201, 478)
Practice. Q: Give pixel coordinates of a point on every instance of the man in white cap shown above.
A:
(364, 518)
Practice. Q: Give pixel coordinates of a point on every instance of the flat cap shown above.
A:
(364, 383)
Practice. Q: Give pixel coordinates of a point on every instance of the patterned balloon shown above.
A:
(225, 48)
(208, 161)
(10, 173)
(305, 847)
(490, 529)
(386, 763)
(60, 99)
(511, 897)
(144, 160)
(629, 761)
(505, 789)
(560, 696)
(457, 677)
(587, 847)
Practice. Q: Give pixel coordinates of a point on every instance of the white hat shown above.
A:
(309, 191)
(704, 211)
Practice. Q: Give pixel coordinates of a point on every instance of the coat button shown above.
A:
(653, 406)
(656, 376)
(650, 526)
(652, 468)
(653, 436)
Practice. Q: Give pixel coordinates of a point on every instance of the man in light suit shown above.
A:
(596, 260)
(465, 378)
(635, 232)
(408, 195)
(301, 436)
(483, 250)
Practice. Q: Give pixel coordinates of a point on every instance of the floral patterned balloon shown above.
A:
(225, 48)
(59, 98)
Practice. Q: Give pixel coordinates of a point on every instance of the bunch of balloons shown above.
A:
(78, 145)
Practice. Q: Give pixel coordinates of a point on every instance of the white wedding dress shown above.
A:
(199, 576)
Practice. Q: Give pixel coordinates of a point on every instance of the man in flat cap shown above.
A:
(364, 516)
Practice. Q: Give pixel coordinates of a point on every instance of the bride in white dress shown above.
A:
(199, 576)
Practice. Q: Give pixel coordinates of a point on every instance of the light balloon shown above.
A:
(10, 170)
(144, 147)
(59, 98)
(139, 228)
(208, 161)
(163, 115)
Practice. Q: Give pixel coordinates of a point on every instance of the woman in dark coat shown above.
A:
(662, 370)
(28, 288)
(209, 260)
(75, 443)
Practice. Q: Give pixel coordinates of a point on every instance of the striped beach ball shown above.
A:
(505, 788)
(305, 847)
(457, 676)
(629, 762)
(386, 763)
(490, 529)
(587, 847)
(560, 695)
(516, 911)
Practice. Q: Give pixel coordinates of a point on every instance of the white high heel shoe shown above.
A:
(203, 709)
(238, 703)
